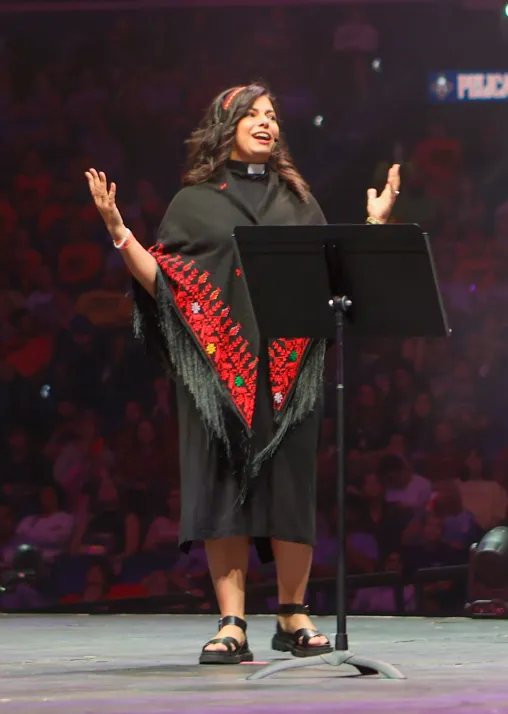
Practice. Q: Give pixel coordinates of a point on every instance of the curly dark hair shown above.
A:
(211, 144)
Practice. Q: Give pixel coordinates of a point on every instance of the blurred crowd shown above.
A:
(89, 467)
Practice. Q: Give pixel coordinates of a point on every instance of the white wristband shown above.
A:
(123, 241)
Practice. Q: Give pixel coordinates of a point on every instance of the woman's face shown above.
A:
(257, 133)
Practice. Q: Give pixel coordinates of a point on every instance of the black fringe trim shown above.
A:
(158, 324)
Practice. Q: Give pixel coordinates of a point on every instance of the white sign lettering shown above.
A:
(482, 86)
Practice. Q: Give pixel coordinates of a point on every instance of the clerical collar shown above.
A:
(241, 168)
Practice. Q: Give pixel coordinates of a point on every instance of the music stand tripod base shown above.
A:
(364, 665)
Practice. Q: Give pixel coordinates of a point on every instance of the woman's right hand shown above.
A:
(104, 199)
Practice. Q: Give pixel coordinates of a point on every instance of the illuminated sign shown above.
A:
(468, 86)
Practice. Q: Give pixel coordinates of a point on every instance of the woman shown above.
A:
(249, 413)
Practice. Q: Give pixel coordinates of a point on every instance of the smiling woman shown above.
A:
(249, 409)
(228, 131)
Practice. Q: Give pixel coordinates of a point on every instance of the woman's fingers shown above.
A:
(394, 177)
(98, 184)
(91, 176)
(95, 177)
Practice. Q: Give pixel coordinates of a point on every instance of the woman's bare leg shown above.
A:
(293, 561)
(228, 560)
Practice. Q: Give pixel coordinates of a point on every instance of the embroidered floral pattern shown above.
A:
(285, 358)
(208, 318)
(215, 331)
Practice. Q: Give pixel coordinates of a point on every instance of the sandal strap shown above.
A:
(307, 634)
(228, 641)
(232, 620)
(294, 608)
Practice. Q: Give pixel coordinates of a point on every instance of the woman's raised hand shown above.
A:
(104, 199)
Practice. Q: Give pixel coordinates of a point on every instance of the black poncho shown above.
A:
(203, 326)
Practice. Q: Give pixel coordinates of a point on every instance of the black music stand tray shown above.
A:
(380, 281)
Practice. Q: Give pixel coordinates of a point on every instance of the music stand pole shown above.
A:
(341, 654)
(340, 305)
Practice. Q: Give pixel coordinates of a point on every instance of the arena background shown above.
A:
(89, 457)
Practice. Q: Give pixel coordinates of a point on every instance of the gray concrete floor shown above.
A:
(148, 664)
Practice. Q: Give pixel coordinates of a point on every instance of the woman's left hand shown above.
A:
(380, 207)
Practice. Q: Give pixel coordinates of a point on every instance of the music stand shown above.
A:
(380, 281)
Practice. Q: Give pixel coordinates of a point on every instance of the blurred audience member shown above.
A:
(51, 528)
(403, 487)
(107, 522)
(487, 500)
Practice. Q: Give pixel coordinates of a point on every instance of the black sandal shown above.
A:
(235, 653)
(289, 641)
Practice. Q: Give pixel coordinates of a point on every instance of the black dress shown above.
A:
(280, 500)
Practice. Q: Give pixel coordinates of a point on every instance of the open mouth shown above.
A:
(263, 137)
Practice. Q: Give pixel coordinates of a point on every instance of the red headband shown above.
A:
(230, 98)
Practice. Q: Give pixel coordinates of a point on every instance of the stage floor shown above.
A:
(147, 664)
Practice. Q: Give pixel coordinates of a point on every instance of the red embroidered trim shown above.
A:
(208, 319)
(285, 357)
